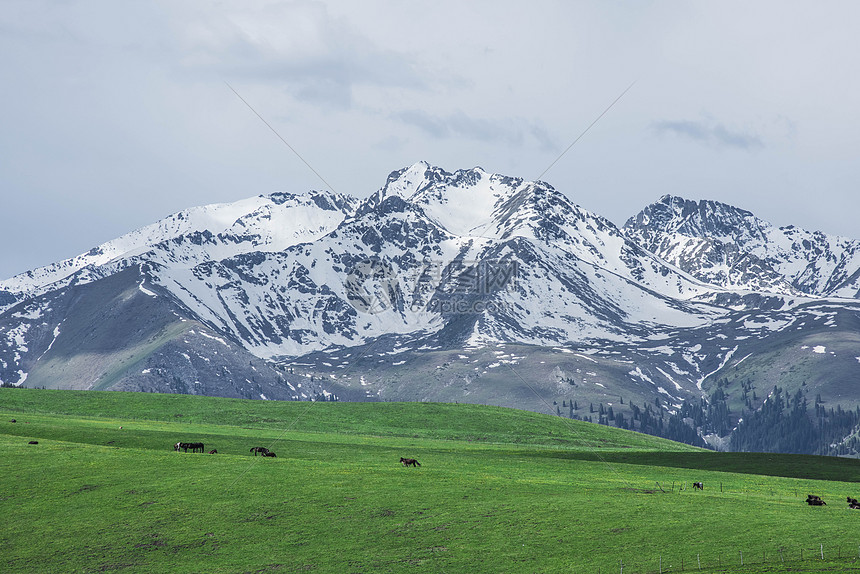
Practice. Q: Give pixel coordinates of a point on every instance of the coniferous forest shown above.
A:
(781, 424)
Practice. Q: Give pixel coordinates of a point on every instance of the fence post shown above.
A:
(699, 561)
(822, 551)
(661, 563)
(742, 557)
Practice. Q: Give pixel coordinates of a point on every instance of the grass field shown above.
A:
(498, 490)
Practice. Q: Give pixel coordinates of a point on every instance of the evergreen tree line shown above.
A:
(648, 419)
(782, 424)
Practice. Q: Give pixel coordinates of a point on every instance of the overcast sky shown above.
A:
(116, 114)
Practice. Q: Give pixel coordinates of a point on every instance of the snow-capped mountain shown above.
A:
(443, 286)
(723, 245)
(192, 236)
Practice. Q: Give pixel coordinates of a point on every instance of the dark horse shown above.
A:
(698, 485)
(261, 449)
(213, 451)
(409, 462)
(184, 446)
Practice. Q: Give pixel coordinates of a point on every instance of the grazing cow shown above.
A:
(850, 500)
(261, 449)
(409, 462)
(33, 442)
(813, 500)
(213, 451)
(269, 453)
(13, 421)
(853, 506)
(184, 446)
(698, 486)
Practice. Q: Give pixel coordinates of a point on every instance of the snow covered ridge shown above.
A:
(287, 274)
(731, 248)
(192, 236)
(577, 275)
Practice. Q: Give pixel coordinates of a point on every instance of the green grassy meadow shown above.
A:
(498, 490)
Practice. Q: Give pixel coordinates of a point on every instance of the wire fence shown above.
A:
(737, 560)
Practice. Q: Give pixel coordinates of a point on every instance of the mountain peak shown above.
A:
(696, 218)
(731, 247)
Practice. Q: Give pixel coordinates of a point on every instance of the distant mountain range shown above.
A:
(464, 286)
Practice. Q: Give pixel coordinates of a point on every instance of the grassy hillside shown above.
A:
(498, 490)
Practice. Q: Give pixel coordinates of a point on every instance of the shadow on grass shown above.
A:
(768, 464)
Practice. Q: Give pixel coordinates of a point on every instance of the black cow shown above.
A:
(850, 500)
(269, 453)
(33, 442)
(261, 449)
(184, 446)
(698, 486)
(409, 462)
(813, 500)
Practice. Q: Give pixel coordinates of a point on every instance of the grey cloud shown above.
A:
(459, 124)
(432, 125)
(319, 58)
(710, 133)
